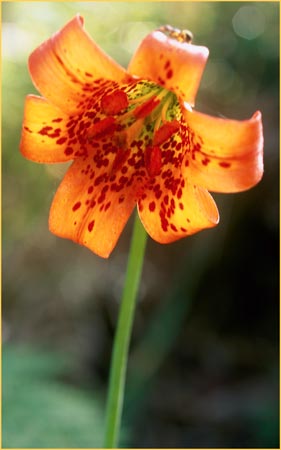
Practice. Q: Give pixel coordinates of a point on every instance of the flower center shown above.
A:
(143, 112)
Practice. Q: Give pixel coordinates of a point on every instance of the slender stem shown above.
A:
(122, 337)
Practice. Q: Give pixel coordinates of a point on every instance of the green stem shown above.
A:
(122, 337)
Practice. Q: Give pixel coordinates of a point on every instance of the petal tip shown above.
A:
(80, 19)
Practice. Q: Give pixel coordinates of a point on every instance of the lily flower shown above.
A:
(134, 138)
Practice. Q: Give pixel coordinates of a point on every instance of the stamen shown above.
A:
(124, 138)
(133, 131)
(165, 107)
(143, 98)
(157, 122)
(156, 114)
(114, 103)
(145, 105)
(146, 108)
(104, 127)
(165, 132)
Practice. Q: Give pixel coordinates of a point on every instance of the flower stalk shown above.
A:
(123, 333)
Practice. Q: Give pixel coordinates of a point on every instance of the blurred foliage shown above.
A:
(204, 363)
(44, 411)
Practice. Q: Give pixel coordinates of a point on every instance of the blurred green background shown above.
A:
(203, 368)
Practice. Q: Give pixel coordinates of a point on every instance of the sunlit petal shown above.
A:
(67, 66)
(175, 65)
(44, 134)
(171, 216)
(223, 155)
(92, 208)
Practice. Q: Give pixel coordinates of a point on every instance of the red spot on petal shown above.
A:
(165, 132)
(152, 206)
(28, 129)
(68, 151)
(224, 164)
(140, 205)
(162, 82)
(114, 103)
(164, 221)
(91, 225)
(76, 206)
(205, 161)
(107, 206)
(61, 140)
(169, 74)
(179, 193)
(152, 159)
(168, 63)
(44, 131)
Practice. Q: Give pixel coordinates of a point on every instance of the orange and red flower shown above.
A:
(133, 138)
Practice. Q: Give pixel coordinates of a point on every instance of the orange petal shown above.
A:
(91, 207)
(223, 155)
(175, 65)
(44, 134)
(168, 216)
(65, 67)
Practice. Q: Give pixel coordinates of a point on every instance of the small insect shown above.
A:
(176, 33)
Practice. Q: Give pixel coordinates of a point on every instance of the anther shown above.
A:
(114, 103)
(104, 127)
(165, 132)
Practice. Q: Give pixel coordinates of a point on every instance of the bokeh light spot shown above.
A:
(248, 22)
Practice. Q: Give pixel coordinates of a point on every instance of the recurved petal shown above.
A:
(44, 135)
(90, 208)
(168, 218)
(178, 66)
(223, 155)
(65, 66)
